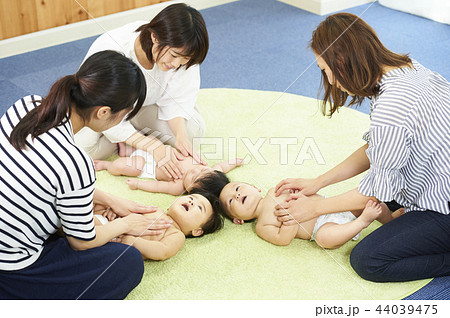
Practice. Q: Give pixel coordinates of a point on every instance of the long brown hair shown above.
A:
(355, 55)
(106, 78)
(177, 26)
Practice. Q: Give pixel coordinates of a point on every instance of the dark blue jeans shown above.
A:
(413, 246)
(110, 271)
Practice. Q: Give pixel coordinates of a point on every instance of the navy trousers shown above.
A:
(414, 246)
(110, 271)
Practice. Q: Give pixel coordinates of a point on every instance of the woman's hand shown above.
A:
(296, 209)
(168, 158)
(165, 156)
(305, 186)
(136, 224)
(145, 224)
(105, 211)
(182, 141)
(123, 207)
(124, 239)
(184, 145)
(109, 214)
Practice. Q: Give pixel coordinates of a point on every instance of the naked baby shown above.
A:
(190, 216)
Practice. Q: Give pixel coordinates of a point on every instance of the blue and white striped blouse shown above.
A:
(409, 141)
(48, 185)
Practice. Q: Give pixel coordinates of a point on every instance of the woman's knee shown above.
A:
(103, 149)
(131, 263)
(365, 263)
(125, 273)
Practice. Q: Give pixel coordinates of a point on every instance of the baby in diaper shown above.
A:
(139, 163)
(243, 202)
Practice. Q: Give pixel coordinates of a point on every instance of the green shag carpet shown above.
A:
(280, 135)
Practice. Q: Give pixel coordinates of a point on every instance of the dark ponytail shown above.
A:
(106, 78)
(49, 114)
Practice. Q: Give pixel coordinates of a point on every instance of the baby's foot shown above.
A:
(398, 213)
(101, 165)
(133, 184)
(371, 212)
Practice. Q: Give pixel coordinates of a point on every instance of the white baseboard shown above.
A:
(80, 30)
(323, 7)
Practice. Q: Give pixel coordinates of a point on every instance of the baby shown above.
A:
(242, 202)
(192, 216)
(141, 164)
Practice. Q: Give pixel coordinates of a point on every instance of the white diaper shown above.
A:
(149, 168)
(101, 218)
(339, 218)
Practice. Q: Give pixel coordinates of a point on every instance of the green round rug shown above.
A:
(280, 135)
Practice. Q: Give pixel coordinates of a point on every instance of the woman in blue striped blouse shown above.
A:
(47, 183)
(406, 154)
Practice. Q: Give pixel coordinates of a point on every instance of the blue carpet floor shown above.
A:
(254, 44)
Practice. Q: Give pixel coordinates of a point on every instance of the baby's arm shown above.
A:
(227, 166)
(161, 250)
(278, 235)
(170, 187)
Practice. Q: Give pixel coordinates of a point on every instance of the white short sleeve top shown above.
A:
(175, 91)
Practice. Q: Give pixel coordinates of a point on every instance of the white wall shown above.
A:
(437, 10)
(323, 7)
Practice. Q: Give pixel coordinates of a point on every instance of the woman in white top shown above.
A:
(406, 154)
(47, 183)
(168, 50)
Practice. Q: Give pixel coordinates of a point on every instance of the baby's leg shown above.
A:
(386, 214)
(357, 212)
(123, 166)
(333, 235)
(101, 164)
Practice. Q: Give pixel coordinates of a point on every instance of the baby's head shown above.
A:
(203, 179)
(195, 214)
(239, 201)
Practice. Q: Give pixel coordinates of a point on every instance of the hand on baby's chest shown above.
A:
(159, 237)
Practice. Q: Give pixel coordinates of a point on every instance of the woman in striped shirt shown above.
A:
(406, 154)
(47, 183)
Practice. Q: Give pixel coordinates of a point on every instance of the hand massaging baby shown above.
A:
(191, 216)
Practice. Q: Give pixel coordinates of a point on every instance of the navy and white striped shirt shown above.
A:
(47, 185)
(409, 140)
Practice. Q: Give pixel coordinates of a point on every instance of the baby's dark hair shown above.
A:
(224, 212)
(213, 182)
(215, 222)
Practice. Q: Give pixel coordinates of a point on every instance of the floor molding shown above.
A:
(80, 30)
